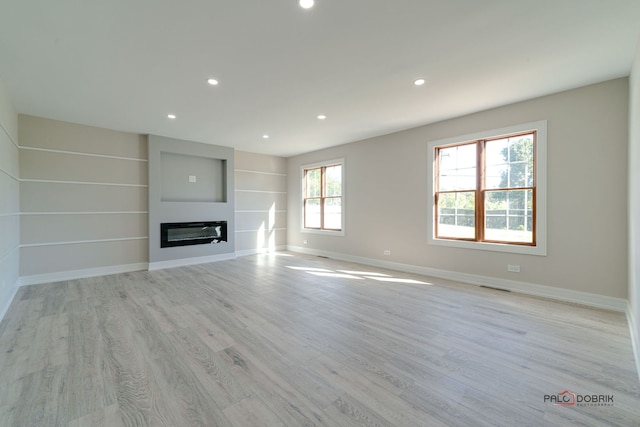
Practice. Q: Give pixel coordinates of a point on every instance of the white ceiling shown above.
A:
(126, 64)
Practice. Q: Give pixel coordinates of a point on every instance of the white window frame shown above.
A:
(541, 190)
(341, 232)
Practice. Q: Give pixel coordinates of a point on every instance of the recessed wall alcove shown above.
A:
(189, 182)
(185, 178)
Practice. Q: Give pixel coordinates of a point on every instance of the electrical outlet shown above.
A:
(513, 268)
(305, 241)
(192, 178)
(387, 252)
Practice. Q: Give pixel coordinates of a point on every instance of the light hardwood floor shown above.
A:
(295, 340)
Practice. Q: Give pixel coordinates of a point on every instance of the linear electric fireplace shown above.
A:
(192, 233)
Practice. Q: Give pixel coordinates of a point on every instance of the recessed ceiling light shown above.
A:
(265, 136)
(171, 116)
(419, 82)
(322, 117)
(212, 82)
(306, 4)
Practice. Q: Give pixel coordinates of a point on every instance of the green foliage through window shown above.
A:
(485, 190)
(322, 202)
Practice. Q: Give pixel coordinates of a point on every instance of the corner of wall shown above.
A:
(9, 201)
(13, 290)
(633, 312)
(632, 319)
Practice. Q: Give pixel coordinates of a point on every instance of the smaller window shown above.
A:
(322, 204)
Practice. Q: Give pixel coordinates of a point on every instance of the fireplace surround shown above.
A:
(191, 185)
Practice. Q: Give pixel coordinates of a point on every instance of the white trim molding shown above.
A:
(9, 135)
(257, 251)
(106, 184)
(541, 190)
(78, 153)
(82, 242)
(260, 172)
(261, 231)
(10, 175)
(159, 265)
(12, 295)
(38, 279)
(239, 190)
(87, 213)
(342, 162)
(634, 337)
(543, 291)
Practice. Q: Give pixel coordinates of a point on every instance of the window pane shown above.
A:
(509, 216)
(333, 213)
(312, 213)
(509, 162)
(313, 182)
(456, 215)
(457, 167)
(333, 178)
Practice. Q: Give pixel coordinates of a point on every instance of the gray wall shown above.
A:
(83, 196)
(9, 201)
(587, 195)
(85, 201)
(634, 205)
(261, 203)
(184, 211)
(209, 178)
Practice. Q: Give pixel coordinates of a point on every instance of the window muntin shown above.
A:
(485, 190)
(322, 199)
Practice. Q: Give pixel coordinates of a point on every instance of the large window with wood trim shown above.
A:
(323, 196)
(486, 190)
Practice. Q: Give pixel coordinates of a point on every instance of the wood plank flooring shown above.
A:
(293, 340)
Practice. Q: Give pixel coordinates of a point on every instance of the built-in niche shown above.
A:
(186, 178)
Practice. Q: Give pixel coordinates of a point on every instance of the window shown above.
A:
(488, 190)
(322, 188)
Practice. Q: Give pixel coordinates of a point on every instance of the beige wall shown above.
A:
(261, 202)
(386, 192)
(634, 204)
(84, 200)
(83, 197)
(9, 201)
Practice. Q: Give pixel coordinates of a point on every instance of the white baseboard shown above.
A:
(633, 330)
(248, 252)
(104, 271)
(189, 261)
(5, 308)
(37, 279)
(544, 291)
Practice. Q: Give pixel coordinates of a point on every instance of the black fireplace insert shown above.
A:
(192, 233)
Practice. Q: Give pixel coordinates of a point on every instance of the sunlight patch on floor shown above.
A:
(398, 280)
(358, 275)
(340, 275)
(364, 273)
